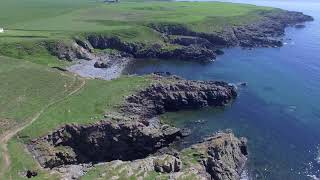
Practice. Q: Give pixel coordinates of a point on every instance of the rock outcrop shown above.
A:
(225, 156)
(68, 52)
(221, 157)
(101, 142)
(173, 94)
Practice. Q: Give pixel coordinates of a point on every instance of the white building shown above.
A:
(1, 30)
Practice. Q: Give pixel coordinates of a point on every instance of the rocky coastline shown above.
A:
(185, 44)
(111, 54)
(133, 138)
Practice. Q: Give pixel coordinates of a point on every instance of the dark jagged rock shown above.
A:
(84, 44)
(103, 42)
(176, 95)
(101, 65)
(101, 142)
(189, 40)
(225, 156)
(31, 174)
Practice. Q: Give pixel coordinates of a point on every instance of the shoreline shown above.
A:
(190, 46)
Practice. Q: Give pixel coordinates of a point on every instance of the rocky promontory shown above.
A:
(173, 93)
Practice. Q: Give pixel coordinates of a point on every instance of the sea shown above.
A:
(279, 109)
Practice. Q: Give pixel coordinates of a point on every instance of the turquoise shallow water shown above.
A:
(278, 111)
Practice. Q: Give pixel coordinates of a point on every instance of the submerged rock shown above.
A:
(300, 26)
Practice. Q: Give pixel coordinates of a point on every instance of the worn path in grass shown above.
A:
(11, 133)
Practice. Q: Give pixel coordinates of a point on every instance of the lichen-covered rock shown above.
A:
(167, 164)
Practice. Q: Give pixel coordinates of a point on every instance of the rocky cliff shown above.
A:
(265, 32)
(101, 142)
(220, 157)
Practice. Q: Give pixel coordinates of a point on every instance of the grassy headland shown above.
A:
(38, 21)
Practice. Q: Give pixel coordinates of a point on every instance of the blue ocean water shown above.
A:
(279, 110)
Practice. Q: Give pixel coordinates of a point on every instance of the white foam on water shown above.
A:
(244, 175)
(318, 156)
(314, 174)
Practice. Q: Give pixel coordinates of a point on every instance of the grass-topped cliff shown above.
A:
(31, 22)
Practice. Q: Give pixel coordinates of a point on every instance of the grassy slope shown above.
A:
(25, 89)
(84, 16)
(28, 87)
(86, 106)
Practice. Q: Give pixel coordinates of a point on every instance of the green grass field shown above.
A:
(53, 18)
(27, 87)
